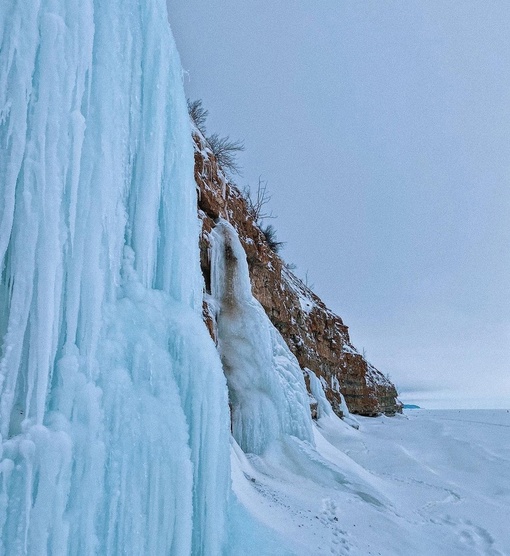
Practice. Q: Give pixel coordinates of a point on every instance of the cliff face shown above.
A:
(317, 337)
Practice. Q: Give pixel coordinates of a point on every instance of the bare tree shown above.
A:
(198, 114)
(258, 200)
(310, 285)
(225, 150)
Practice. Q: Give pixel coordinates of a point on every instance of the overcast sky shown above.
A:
(383, 131)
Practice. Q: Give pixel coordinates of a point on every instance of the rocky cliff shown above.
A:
(318, 337)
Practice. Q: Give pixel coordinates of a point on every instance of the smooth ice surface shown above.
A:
(113, 405)
(268, 396)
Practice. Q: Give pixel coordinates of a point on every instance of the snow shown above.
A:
(428, 482)
(306, 304)
(347, 348)
(303, 292)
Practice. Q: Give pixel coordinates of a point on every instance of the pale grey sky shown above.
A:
(383, 130)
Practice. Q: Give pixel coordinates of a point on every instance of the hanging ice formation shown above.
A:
(113, 405)
(267, 390)
(324, 409)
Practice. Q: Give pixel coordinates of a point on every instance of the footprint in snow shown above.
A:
(473, 536)
(339, 543)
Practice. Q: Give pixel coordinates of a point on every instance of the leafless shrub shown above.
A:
(198, 114)
(225, 150)
(258, 200)
(270, 237)
(310, 285)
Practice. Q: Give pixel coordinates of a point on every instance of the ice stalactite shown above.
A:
(113, 405)
(324, 409)
(267, 391)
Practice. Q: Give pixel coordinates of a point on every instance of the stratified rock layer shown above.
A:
(318, 337)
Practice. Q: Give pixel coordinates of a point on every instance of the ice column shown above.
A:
(267, 390)
(113, 405)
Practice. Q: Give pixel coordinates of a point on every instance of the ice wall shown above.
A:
(267, 391)
(113, 405)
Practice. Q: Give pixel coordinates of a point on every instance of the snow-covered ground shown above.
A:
(425, 483)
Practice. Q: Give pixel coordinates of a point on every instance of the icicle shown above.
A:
(324, 409)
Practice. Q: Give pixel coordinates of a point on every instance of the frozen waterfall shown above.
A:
(266, 385)
(113, 405)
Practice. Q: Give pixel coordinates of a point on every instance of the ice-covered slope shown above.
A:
(113, 412)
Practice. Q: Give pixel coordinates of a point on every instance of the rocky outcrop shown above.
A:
(318, 338)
